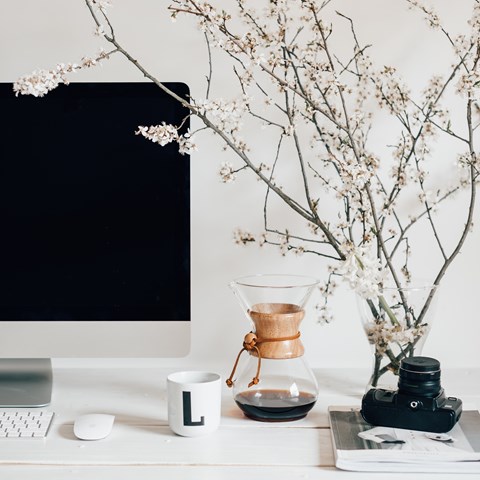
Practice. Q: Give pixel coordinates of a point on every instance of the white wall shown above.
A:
(40, 33)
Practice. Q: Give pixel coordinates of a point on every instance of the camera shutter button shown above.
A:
(415, 404)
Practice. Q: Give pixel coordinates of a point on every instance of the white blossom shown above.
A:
(468, 85)
(430, 15)
(383, 334)
(166, 133)
(186, 144)
(40, 82)
(100, 31)
(363, 272)
(227, 172)
(226, 114)
(324, 314)
(161, 134)
(243, 237)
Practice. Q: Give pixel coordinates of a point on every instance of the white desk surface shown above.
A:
(141, 446)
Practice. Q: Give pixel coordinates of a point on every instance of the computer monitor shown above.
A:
(94, 230)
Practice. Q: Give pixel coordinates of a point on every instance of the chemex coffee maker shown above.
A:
(275, 384)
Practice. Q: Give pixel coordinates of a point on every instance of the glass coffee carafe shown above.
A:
(275, 384)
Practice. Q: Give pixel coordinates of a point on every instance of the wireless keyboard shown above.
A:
(24, 423)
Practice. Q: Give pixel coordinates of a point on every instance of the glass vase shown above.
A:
(396, 323)
(276, 383)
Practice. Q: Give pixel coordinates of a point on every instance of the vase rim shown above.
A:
(411, 288)
(274, 280)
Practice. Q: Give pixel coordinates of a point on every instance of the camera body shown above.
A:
(393, 409)
(419, 404)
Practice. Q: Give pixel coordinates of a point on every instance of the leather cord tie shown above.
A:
(250, 343)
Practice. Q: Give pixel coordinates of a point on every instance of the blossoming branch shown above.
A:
(316, 102)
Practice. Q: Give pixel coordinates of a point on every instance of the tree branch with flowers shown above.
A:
(317, 104)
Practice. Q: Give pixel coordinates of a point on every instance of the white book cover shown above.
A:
(359, 446)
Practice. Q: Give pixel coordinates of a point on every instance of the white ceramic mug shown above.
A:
(194, 401)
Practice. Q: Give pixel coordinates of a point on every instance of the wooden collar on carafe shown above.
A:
(276, 336)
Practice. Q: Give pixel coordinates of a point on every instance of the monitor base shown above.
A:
(25, 382)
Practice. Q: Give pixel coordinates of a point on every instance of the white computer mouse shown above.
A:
(93, 426)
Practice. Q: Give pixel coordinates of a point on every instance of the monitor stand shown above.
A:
(25, 382)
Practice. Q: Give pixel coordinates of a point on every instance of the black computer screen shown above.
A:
(94, 220)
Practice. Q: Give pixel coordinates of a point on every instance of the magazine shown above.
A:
(358, 446)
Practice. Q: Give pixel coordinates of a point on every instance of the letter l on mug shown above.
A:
(187, 411)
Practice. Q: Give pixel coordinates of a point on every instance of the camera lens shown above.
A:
(419, 376)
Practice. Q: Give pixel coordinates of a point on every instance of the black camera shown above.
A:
(420, 402)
